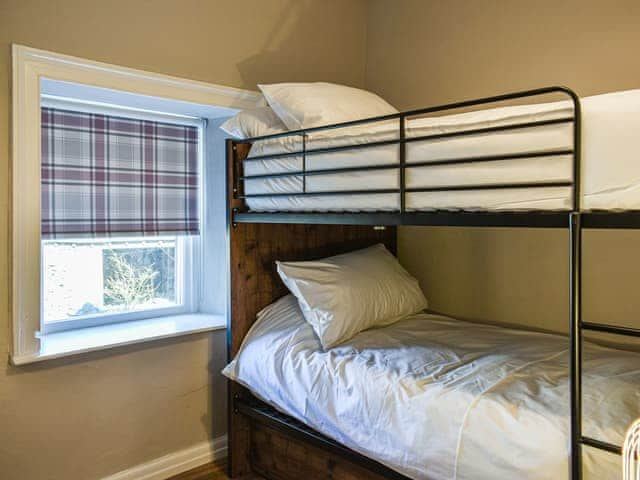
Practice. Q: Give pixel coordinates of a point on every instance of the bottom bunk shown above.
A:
(436, 398)
(481, 403)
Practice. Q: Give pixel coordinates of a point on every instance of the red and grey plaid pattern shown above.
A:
(104, 175)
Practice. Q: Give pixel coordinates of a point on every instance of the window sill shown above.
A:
(82, 340)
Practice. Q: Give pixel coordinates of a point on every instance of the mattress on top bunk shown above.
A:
(436, 398)
(610, 164)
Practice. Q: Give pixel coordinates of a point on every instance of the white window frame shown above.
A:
(30, 66)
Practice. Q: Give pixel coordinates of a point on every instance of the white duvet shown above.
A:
(610, 167)
(436, 398)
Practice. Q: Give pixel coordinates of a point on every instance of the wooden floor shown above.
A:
(210, 471)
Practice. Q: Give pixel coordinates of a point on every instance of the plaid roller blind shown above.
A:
(104, 175)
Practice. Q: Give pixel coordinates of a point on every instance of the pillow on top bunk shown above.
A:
(307, 105)
(343, 295)
(254, 122)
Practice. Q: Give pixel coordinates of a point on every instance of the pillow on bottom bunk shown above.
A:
(343, 295)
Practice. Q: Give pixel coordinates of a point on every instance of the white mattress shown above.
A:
(436, 398)
(610, 161)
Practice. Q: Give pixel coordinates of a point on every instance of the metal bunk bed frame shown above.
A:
(572, 219)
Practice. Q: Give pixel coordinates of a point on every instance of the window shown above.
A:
(115, 184)
(161, 258)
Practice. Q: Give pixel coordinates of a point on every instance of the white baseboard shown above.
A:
(177, 462)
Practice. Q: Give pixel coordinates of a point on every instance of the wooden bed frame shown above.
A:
(274, 449)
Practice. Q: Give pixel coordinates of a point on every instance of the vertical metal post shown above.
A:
(403, 154)
(304, 163)
(577, 152)
(575, 333)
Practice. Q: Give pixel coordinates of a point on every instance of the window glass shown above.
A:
(86, 278)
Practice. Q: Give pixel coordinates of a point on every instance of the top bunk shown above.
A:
(522, 165)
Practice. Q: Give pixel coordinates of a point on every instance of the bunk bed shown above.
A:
(312, 193)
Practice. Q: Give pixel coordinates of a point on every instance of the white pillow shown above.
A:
(341, 296)
(254, 122)
(307, 105)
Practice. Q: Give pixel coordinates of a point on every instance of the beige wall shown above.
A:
(421, 53)
(85, 417)
(89, 416)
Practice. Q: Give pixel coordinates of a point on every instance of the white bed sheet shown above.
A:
(610, 163)
(436, 398)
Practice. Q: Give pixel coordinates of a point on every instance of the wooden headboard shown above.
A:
(254, 281)
(255, 248)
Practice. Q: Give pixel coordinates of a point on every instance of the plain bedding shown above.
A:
(436, 398)
(610, 163)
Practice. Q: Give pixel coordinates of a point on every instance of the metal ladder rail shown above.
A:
(577, 327)
(575, 336)
(615, 330)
